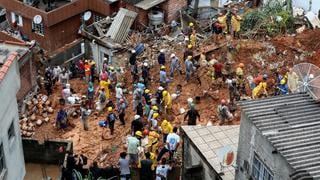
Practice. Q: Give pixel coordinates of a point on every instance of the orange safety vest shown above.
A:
(87, 69)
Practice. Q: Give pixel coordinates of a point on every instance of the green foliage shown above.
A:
(273, 19)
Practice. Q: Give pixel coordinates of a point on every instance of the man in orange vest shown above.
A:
(87, 70)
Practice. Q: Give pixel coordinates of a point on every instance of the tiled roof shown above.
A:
(5, 67)
(292, 124)
(210, 139)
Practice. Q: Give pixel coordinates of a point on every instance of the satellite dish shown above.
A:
(226, 156)
(87, 15)
(305, 77)
(37, 19)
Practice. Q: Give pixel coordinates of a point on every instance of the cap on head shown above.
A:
(155, 108)
(109, 109)
(155, 115)
(136, 117)
(146, 91)
(138, 133)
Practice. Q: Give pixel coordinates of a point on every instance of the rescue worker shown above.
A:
(193, 39)
(154, 121)
(166, 128)
(171, 144)
(136, 124)
(145, 74)
(103, 75)
(84, 115)
(175, 65)
(153, 141)
(222, 19)
(240, 79)
(105, 85)
(235, 23)
(192, 115)
(163, 76)
(162, 58)
(261, 89)
(137, 98)
(111, 118)
(189, 68)
(90, 95)
(133, 66)
(93, 70)
(64, 78)
(119, 94)
(123, 104)
(282, 87)
(133, 144)
(112, 77)
(147, 98)
(167, 100)
(152, 111)
(189, 29)
(217, 70)
(188, 52)
(224, 112)
(87, 71)
(233, 90)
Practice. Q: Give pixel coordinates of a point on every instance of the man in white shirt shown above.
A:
(119, 94)
(162, 170)
(171, 145)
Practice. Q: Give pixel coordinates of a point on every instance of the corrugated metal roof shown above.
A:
(121, 25)
(292, 124)
(147, 4)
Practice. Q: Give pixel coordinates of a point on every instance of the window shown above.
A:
(2, 162)
(97, 18)
(11, 133)
(38, 28)
(15, 18)
(260, 171)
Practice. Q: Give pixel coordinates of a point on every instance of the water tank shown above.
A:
(155, 18)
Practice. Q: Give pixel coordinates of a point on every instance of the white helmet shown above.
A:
(160, 88)
(133, 51)
(173, 55)
(145, 64)
(136, 117)
(162, 50)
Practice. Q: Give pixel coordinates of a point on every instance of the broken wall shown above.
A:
(307, 5)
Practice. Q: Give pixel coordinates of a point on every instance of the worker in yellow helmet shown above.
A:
(188, 52)
(104, 83)
(235, 24)
(261, 89)
(240, 79)
(111, 118)
(193, 39)
(189, 29)
(153, 141)
(166, 128)
(167, 100)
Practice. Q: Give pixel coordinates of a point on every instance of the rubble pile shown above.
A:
(38, 109)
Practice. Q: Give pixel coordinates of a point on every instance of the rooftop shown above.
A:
(209, 140)
(7, 48)
(292, 124)
(39, 4)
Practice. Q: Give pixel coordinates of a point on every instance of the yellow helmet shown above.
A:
(190, 24)
(109, 109)
(283, 81)
(155, 115)
(146, 91)
(138, 133)
(155, 108)
(162, 67)
(165, 122)
(164, 93)
(189, 57)
(189, 46)
(86, 61)
(92, 62)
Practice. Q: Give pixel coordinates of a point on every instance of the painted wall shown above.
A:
(252, 142)
(14, 160)
(313, 5)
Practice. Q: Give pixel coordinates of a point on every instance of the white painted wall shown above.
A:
(313, 5)
(98, 54)
(13, 151)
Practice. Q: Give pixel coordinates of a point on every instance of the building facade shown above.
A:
(57, 27)
(279, 139)
(11, 152)
(201, 152)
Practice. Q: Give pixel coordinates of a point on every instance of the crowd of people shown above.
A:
(153, 141)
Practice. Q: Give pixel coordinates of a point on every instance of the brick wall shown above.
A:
(171, 9)
(142, 17)
(27, 76)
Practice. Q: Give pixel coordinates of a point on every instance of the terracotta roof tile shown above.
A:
(4, 68)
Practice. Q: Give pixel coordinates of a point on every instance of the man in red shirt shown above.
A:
(87, 70)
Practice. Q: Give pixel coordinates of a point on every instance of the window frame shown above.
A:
(260, 170)
(38, 28)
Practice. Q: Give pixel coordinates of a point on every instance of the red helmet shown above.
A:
(223, 101)
(145, 132)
